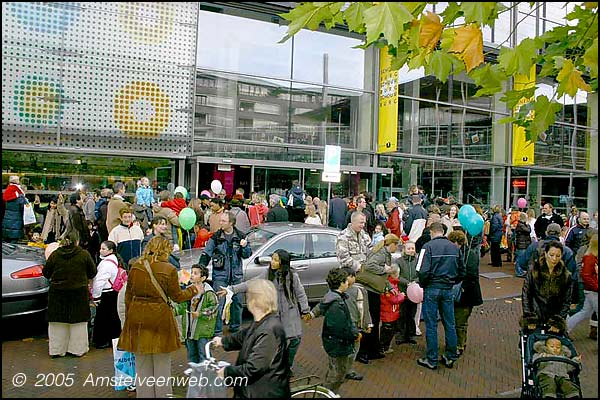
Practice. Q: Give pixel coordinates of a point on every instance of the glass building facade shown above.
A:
(92, 98)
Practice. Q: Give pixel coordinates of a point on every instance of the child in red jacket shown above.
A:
(389, 311)
(177, 204)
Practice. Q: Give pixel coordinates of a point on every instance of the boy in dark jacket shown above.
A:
(407, 329)
(339, 333)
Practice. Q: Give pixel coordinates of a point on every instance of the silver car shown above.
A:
(24, 288)
(311, 247)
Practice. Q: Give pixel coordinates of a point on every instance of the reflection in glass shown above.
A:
(244, 45)
(331, 59)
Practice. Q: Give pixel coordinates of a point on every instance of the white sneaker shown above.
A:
(389, 351)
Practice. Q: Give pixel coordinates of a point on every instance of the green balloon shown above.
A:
(187, 218)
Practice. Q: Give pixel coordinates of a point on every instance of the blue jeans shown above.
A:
(235, 310)
(195, 349)
(441, 300)
(518, 269)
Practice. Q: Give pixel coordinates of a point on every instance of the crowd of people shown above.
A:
(371, 299)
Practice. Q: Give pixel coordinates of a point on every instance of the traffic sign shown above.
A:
(331, 162)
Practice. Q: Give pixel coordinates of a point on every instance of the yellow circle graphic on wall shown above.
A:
(147, 23)
(142, 108)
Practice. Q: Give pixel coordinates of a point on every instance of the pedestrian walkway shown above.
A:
(490, 366)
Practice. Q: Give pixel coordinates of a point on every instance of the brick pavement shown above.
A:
(490, 366)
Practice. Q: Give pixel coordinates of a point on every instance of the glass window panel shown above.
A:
(502, 28)
(274, 180)
(323, 115)
(294, 244)
(261, 113)
(237, 44)
(323, 245)
(345, 65)
(526, 29)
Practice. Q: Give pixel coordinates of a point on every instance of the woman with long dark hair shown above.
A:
(107, 324)
(547, 291)
(291, 298)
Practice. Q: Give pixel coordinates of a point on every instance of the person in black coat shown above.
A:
(337, 212)
(547, 291)
(262, 358)
(69, 268)
(339, 333)
(276, 212)
(546, 218)
(470, 252)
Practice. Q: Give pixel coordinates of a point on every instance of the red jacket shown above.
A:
(257, 214)
(176, 205)
(589, 274)
(12, 192)
(389, 310)
(393, 223)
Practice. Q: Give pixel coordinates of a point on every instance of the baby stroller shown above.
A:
(530, 383)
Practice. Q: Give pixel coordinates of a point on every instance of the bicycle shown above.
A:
(310, 391)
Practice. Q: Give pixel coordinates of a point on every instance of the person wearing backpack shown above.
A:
(295, 205)
(105, 288)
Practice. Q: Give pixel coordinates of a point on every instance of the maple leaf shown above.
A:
(570, 80)
(468, 43)
(431, 30)
(440, 65)
(386, 18)
(354, 16)
(306, 14)
(590, 59)
(545, 114)
(520, 59)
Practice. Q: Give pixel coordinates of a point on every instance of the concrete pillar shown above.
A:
(592, 147)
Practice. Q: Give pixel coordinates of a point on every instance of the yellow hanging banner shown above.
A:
(523, 150)
(387, 139)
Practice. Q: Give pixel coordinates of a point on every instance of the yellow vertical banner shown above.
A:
(387, 139)
(523, 150)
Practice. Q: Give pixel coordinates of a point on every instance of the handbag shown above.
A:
(457, 291)
(372, 280)
(28, 214)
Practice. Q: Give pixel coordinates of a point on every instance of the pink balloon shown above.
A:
(50, 249)
(206, 193)
(522, 203)
(414, 292)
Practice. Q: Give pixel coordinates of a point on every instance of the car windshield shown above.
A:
(9, 249)
(257, 237)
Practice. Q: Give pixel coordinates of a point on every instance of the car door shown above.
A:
(295, 244)
(323, 258)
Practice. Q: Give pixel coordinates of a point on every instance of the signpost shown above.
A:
(331, 169)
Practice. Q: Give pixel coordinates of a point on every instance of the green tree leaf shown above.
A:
(489, 77)
(513, 97)
(545, 115)
(590, 58)
(479, 12)
(386, 18)
(305, 15)
(451, 13)
(440, 65)
(518, 60)
(354, 16)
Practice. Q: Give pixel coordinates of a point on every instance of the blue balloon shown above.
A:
(464, 213)
(474, 224)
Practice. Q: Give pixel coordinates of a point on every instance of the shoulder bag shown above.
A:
(372, 280)
(169, 302)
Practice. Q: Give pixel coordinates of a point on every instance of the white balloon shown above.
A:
(216, 186)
